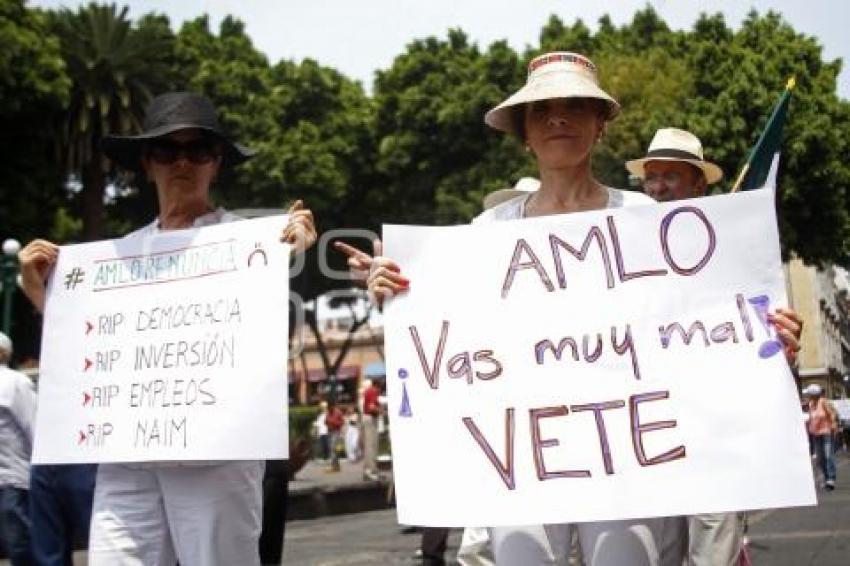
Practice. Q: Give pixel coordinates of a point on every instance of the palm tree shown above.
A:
(115, 67)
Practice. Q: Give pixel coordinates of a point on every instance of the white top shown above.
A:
(217, 216)
(17, 416)
(515, 208)
(321, 425)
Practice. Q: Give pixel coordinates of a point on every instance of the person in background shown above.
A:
(674, 169)
(322, 431)
(17, 417)
(61, 498)
(352, 435)
(334, 420)
(371, 414)
(822, 426)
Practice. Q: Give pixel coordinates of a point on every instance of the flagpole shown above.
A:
(745, 169)
(740, 178)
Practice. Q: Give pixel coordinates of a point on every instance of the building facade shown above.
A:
(309, 382)
(820, 296)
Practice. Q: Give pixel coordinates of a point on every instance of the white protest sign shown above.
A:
(605, 365)
(168, 346)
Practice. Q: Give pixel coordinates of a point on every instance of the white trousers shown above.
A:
(370, 444)
(634, 542)
(715, 540)
(155, 515)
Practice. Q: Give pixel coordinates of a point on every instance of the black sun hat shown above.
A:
(169, 113)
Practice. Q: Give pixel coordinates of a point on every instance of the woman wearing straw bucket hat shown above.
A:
(160, 512)
(560, 114)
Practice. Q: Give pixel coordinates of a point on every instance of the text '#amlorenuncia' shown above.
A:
(166, 266)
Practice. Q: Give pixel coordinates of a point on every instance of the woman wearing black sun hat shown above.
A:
(195, 512)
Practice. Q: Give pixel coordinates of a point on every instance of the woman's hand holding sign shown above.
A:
(789, 327)
(36, 260)
(382, 275)
(300, 231)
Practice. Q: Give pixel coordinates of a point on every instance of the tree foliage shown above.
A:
(416, 149)
(717, 82)
(436, 157)
(33, 88)
(115, 69)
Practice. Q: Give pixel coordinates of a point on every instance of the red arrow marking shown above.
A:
(86, 398)
(89, 327)
(88, 364)
(82, 437)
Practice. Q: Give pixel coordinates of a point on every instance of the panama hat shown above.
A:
(673, 144)
(524, 186)
(553, 75)
(169, 113)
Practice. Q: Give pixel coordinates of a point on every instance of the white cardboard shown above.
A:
(736, 412)
(167, 347)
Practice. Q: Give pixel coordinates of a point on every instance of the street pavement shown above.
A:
(810, 536)
(362, 539)
(315, 475)
(805, 536)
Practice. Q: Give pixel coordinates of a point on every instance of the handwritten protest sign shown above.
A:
(170, 346)
(603, 365)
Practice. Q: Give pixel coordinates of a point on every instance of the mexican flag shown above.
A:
(755, 172)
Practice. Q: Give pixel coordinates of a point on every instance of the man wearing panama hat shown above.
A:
(674, 168)
(17, 416)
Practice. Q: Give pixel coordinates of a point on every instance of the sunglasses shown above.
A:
(199, 151)
(669, 178)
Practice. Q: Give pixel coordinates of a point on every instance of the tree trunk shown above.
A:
(332, 367)
(94, 186)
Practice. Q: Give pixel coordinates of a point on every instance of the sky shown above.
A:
(359, 37)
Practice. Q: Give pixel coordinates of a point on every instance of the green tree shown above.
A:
(435, 154)
(313, 129)
(721, 84)
(115, 68)
(738, 78)
(33, 88)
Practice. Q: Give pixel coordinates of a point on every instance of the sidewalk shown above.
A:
(317, 493)
(816, 536)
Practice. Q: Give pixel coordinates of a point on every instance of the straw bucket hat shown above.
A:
(553, 75)
(168, 113)
(524, 186)
(673, 144)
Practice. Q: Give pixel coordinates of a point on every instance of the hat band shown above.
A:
(560, 58)
(674, 153)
